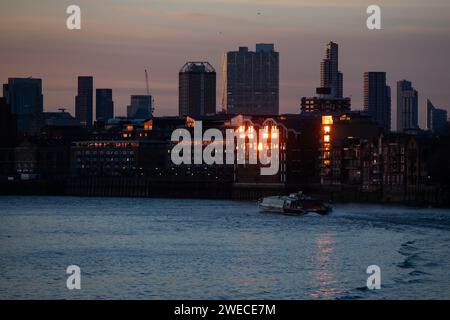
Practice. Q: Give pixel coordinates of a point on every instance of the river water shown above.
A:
(140, 248)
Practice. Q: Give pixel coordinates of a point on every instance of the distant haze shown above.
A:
(119, 39)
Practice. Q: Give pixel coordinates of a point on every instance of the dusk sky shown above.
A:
(119, 39)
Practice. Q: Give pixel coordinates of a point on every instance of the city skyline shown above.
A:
(117, 53)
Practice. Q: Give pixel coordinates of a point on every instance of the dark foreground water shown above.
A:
(193, 249)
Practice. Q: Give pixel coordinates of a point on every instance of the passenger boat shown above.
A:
(296, 204)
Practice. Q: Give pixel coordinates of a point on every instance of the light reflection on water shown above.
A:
(327, 284)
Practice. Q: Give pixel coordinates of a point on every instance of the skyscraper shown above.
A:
(377, 98)
(407, 106)
(84, 100)
(436, 118)
(329, 96)
(104, 105)
(24, 95)
(330, 76)
(251, 81)
(140, 107)
(197, 89)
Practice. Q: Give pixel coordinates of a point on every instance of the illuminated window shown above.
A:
(326, 138)
(327, 129)
(327, 120)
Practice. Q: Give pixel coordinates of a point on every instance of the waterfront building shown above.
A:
(38, 158)
(8, 138)
(349, 153)
(197, 89)
(251, 81)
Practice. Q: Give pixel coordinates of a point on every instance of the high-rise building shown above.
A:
(24, 95)
(197, 89)
(251, 81)
(329, 98)
(104, 105)
(84, 100)
(407, 106)
(330, 76)
(140, 107)
(377, 98)
(436, 118)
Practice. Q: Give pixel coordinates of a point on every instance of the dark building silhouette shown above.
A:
(436, 118)
(37, 158)
(197, 89)
(61, 118)
(407, 106)
(325, 104)
(8, 124)
(251, 81)
(140, 107)
(377, 98)
(8, 137)
(330, 76)
(104, 105)
(24, 95)
(84, 100)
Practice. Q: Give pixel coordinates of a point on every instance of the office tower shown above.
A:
(407, 106)
(140, 107)
(377, 98)
(436, 118)
(24, 95)
(104, 105)
(251, 81)
(330, 76)
(197, 89)
(84, 100)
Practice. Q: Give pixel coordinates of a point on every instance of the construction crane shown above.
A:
(148, 91)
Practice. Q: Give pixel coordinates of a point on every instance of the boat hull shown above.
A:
(294, 204)
(285, 211)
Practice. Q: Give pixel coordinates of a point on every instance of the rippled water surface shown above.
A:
(202, 249)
